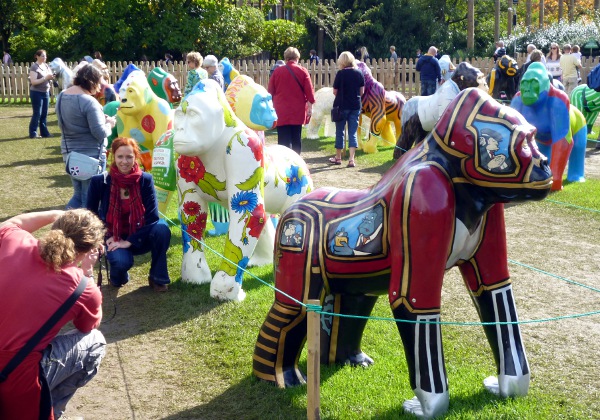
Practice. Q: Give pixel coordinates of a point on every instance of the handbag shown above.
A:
(336, 114)
(306, 104)
(336, 111)
(79, 166)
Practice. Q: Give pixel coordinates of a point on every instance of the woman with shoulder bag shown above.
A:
(348, 87)
(84, 126)
(40, 77)
(293, 96)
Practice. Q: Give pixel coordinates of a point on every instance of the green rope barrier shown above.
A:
(319, 309)
(572, 205)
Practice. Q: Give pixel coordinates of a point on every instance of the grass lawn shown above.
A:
(183, 355)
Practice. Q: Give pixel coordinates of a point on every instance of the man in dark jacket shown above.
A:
(431, 72)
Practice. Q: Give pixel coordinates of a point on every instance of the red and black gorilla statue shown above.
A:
(438, 207)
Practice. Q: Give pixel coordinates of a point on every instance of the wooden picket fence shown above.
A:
(399, 75)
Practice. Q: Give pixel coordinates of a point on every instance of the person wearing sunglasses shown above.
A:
(553, 62)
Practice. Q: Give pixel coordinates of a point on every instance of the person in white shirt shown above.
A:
(569, 64)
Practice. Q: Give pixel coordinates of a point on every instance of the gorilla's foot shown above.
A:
(507, 386)
(359, 359)
(293, 377)
(224, 287)
(427, 405)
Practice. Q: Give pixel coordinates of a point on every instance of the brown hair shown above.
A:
(536, 55)
(75, 232)
(39, 53)
(195, 57)
(88, 77)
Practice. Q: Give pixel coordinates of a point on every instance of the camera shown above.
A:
(54, 81)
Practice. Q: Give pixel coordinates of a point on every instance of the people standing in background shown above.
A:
(419, 54)
(6, 58)
(314, 58)
(431, 72)
(500, 50)
(575, 51)
(98, 56)
(530, 49)
(84, 125)
(553, 62)
(196, 73)
(293, 96)
(364, 54)
(393, 54)
(168, 59)
(570, 66)
(40, 78)
(211, 65)
(348, 88)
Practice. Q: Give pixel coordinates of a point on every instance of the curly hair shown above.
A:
(88, 77)
(75, 232)
(196, 58)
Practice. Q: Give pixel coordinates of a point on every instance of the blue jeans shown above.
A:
(69, 362)
(80, 188)
(428, 87)
(39, 102)
(350, 117)
(156, 241)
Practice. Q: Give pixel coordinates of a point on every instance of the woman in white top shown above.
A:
(553, 62)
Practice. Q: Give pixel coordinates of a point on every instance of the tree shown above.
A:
(328, 17)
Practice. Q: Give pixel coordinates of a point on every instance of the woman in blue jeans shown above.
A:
(40, 79)
(125, 200)
(348, 87)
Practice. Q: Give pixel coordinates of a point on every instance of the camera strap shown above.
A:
(45, 329)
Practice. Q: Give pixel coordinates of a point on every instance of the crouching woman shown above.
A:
(38, 277)
(125, 200)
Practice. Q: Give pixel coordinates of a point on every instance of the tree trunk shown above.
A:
(510, 15)
(497, 21)
(541, 13)
(560, 10)
(471, 25)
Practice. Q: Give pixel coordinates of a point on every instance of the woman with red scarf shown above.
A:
(124, 198)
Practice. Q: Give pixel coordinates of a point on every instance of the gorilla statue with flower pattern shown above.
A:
(223, 161)
(439, 206)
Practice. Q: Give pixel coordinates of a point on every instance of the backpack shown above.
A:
(593, 79)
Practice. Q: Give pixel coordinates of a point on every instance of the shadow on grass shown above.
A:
(36, 209)
(240, 401)
(34, 162)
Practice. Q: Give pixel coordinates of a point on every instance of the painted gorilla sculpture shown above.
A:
(64, 75)
(345, 247)
(228, 71)
(321, 114)
(561, 129)
(251, 103)
(383, 107)
(421, 113)
(502, 80)
(223, 161)
(143, 116)
(165, 86)
(587, 101)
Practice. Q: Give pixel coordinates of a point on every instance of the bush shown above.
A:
(280, 34)
(577, 33)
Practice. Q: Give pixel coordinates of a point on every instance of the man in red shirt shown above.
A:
(37, 277)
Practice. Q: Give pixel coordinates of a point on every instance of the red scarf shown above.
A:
(130, 181)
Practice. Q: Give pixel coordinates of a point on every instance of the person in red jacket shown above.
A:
(36, 278)
(293, 96)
